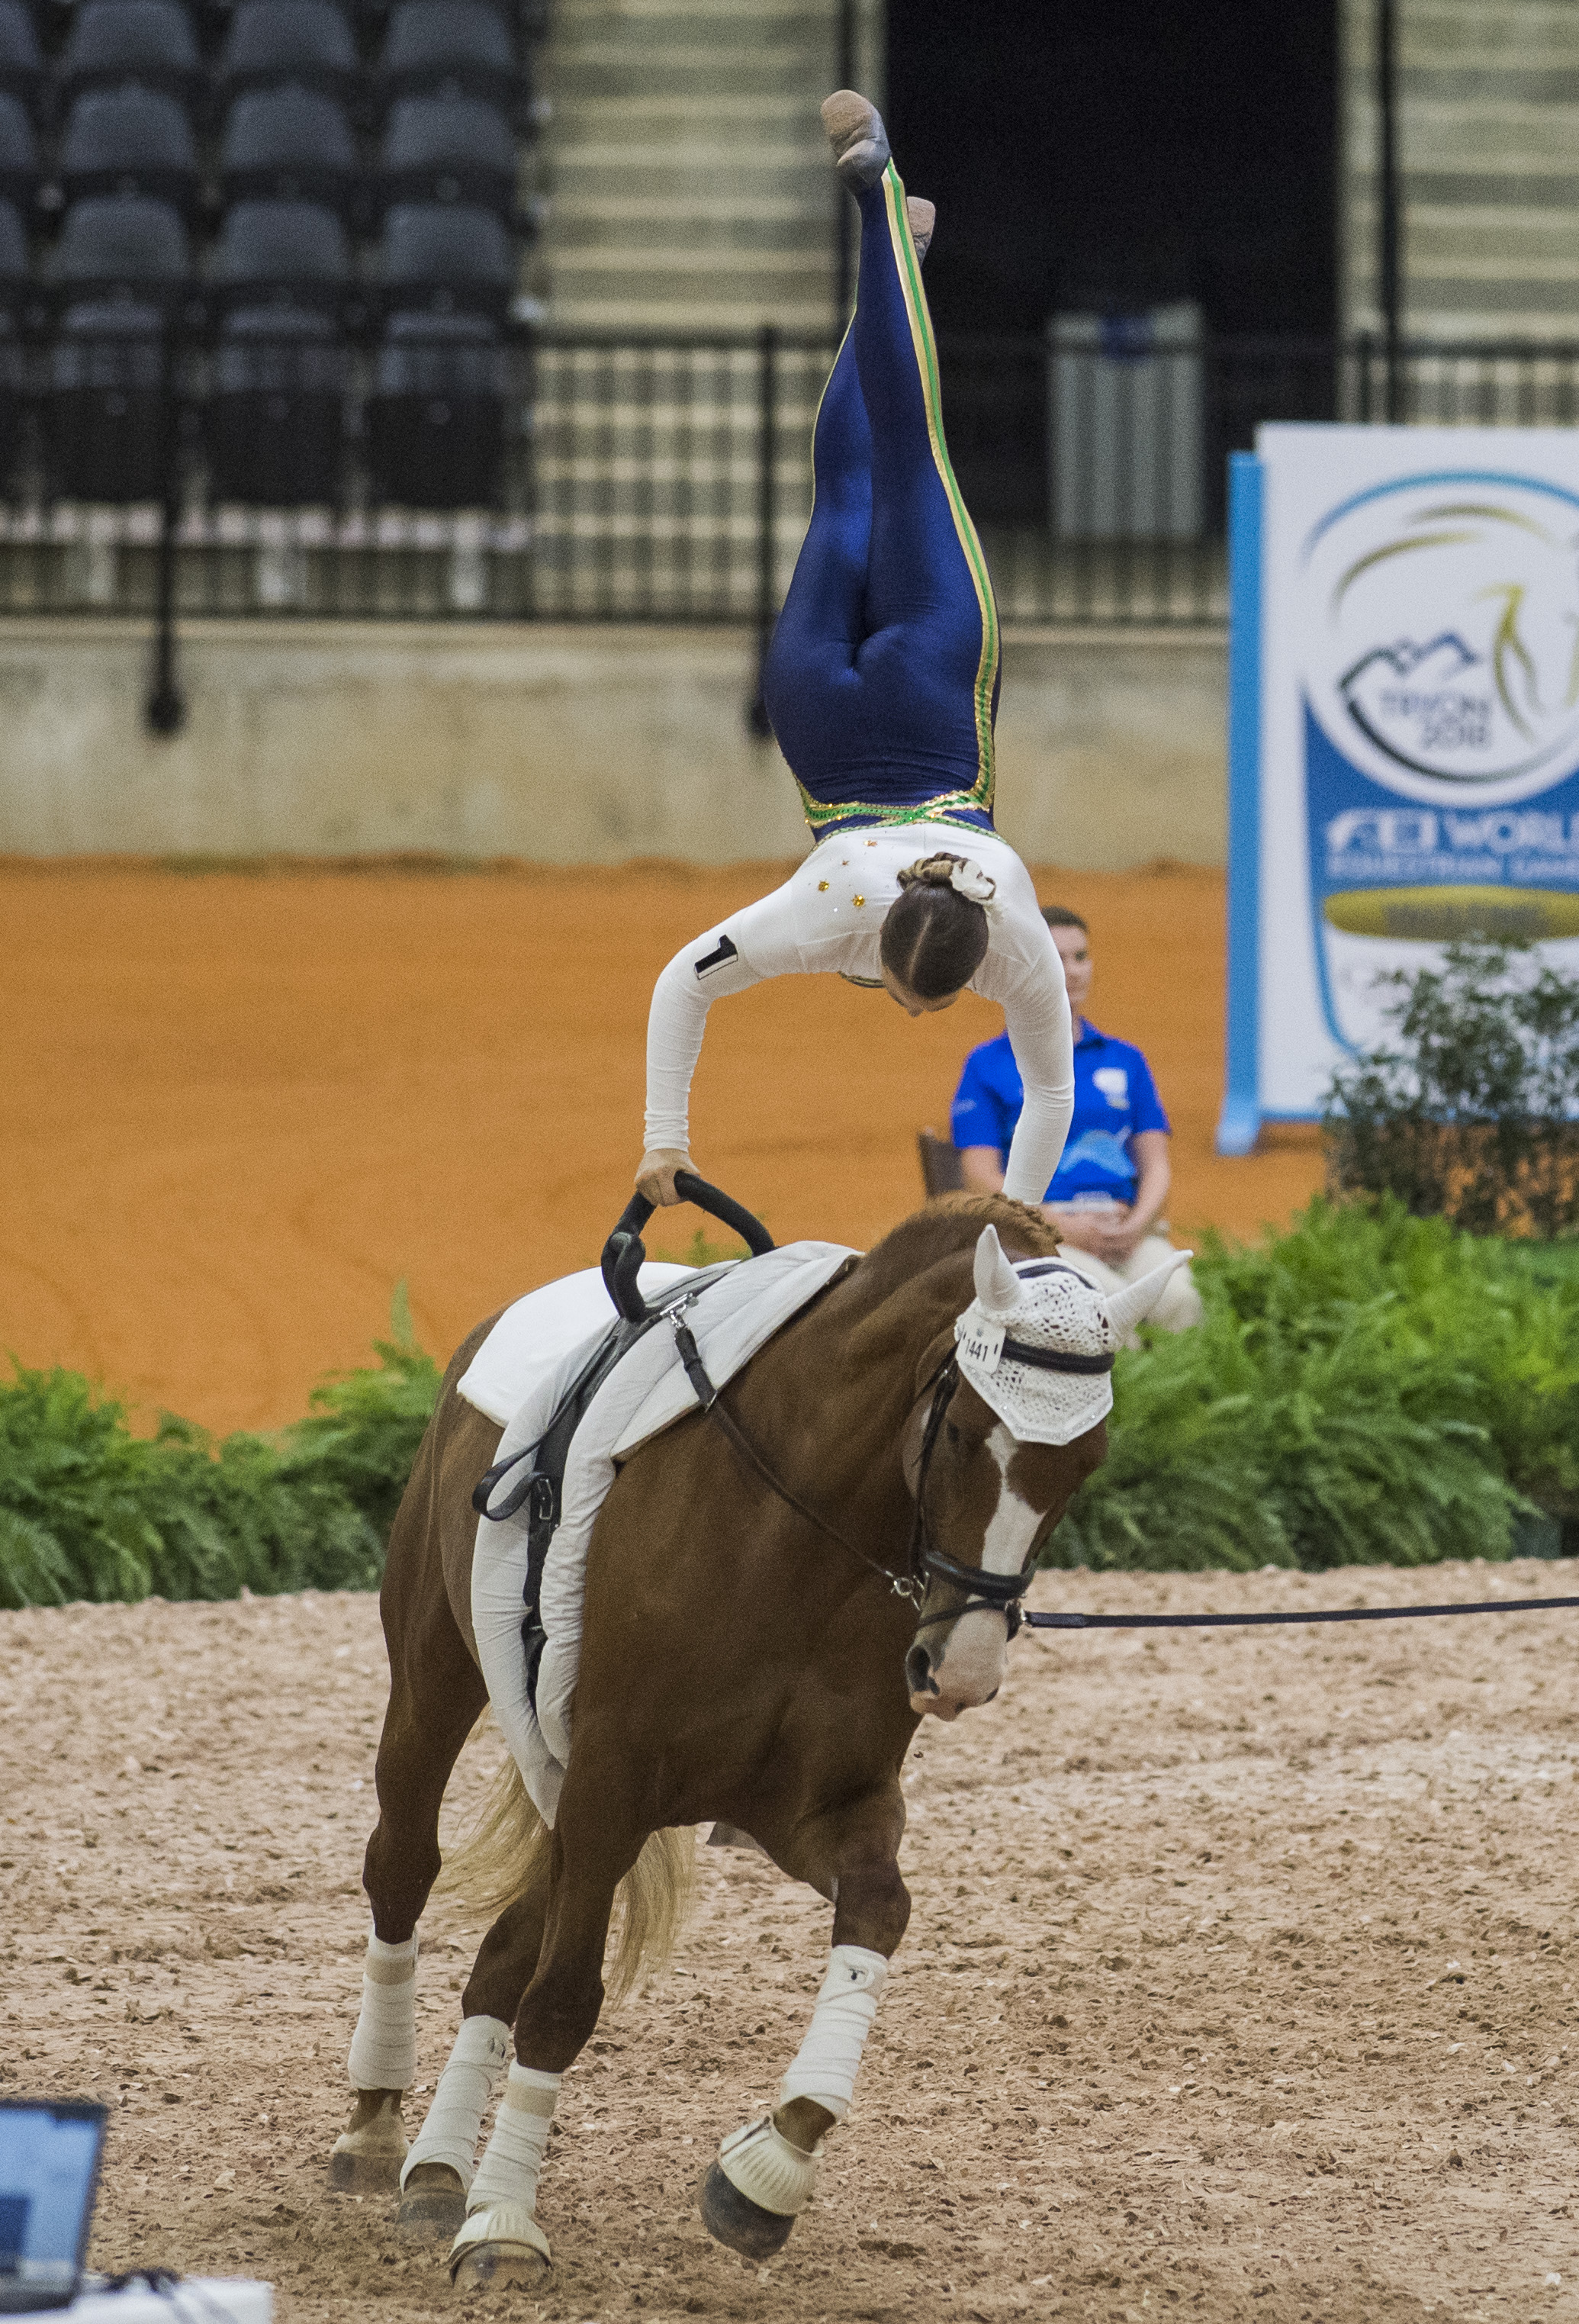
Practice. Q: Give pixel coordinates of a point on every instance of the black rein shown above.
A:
(996, 1593)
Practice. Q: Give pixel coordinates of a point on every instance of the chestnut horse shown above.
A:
(739, 1662)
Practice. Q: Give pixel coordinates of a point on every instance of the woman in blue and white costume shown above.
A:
(882, 686)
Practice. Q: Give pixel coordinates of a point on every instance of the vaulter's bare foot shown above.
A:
(856, 134)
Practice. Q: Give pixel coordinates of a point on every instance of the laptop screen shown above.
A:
(48, 2163)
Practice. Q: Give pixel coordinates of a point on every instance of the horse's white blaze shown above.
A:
(969, 1657)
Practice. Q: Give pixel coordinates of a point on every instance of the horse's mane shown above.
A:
(951, 1224)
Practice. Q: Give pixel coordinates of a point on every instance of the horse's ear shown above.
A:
(935, 1359)
(997, 1286)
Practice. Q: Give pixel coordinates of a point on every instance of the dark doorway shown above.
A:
(1107, 157)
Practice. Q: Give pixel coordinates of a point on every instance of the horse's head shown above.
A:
(995, 1463)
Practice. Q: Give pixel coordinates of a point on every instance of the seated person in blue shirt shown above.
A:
(1107, 1195)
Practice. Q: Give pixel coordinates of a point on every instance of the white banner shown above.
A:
(1403, 730)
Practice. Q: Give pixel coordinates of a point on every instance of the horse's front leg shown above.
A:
(500, 2243)
(765, 2174)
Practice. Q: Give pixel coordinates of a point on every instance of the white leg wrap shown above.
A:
(384, 2048)
(826, 2064)
(507, 2176)
(449, 2134)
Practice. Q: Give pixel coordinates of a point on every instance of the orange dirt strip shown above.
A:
(242, 1106)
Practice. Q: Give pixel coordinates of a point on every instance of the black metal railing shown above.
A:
(667, 478)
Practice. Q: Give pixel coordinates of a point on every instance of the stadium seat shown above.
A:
(941, 1170)
(277, 419)
(112, 41)
(13, 290)
(107, 418)
(438, 46)
(116, 243)
(287, 145)
(435, 417)
(450, 257)
(13, 399)
(106, 414)
(129, 140)
(22, 62)
(14, 276)
(297, 251)
(19, 152)
(448, 149)
(271, 43)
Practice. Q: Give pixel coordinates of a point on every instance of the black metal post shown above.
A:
(1389, 289)
(165, 707)
(757, 717)
(844, 246)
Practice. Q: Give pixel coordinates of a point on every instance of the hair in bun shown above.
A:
(935, 936)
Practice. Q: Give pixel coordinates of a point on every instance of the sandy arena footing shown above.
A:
(1240, 1982)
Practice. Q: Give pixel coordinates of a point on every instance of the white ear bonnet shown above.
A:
(1037, 1342)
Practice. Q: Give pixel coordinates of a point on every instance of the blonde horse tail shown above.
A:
(507, 1851)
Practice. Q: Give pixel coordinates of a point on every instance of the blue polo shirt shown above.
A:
(1115, 1096)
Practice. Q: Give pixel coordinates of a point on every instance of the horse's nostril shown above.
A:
(918, 1672)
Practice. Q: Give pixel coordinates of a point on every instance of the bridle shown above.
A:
(993, 1593)
(990, 1593)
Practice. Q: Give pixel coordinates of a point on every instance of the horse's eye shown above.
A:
(951, 1429)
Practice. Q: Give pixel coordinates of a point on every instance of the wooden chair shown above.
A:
(941, 1172)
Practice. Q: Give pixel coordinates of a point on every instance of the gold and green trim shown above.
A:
(947, 807)
(926, 356)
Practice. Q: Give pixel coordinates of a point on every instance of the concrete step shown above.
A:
(633, 309)
(655, 173)
(670, 111)
(695, 77)
(655, 37)
(687, 164)
(663, 233)
(757, 278)
(723, 20)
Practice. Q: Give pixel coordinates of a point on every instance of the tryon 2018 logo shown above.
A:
(1438, 652)
(1440, 636)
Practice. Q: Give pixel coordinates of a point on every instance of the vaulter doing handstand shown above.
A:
(881, 683)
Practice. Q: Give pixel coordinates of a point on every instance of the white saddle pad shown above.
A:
(531, 1339)
(734, 1316)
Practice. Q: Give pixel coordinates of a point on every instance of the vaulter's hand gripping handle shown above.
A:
(625, 1254)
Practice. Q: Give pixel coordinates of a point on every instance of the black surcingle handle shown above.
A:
(625, 1254)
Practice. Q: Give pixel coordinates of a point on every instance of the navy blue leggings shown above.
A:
(882, 678)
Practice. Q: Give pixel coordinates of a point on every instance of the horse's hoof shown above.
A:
(499, 2267)
(433, 2204)
(499, 2249)
(366, 2157)
(364, 2170)
(733, 2218)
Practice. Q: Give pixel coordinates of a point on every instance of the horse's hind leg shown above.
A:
(435, 1695)
(438, 2173)
(501, 2243)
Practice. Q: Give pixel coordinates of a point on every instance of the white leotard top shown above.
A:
(829, 916)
